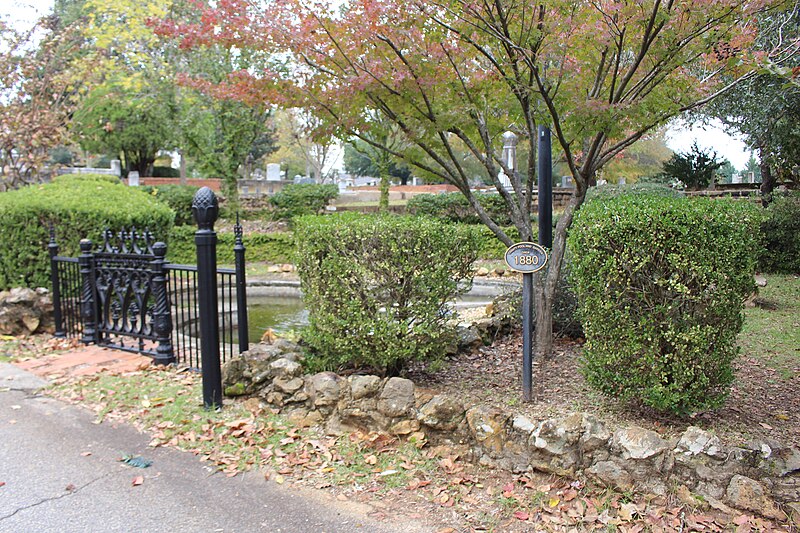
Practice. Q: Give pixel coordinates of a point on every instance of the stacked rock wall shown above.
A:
(755, 478)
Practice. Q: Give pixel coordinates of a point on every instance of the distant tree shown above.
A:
(37, 96)
(753, 166)
(298, 152)
(643, 159)
(695, 168)
(726, 171)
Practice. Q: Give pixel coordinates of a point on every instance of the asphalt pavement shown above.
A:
(61, 472)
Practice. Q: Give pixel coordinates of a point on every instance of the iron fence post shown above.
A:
(162, 318)
(58, 318)
(241, 289)
(545, 200)
(205, 208)
(88, 299)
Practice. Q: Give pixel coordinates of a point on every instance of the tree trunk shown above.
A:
(383, 204)
(182, 179)
(767, 178)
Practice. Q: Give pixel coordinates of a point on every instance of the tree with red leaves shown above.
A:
(599, 73)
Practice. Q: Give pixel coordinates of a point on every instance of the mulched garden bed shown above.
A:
(762, 403)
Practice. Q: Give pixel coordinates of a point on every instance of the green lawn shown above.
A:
(771, 330)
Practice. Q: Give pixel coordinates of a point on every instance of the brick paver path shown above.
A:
(84, 361)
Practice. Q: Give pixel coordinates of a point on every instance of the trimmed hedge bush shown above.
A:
(78, 206)
(781, 234)
(661, 284)
(453, 207)
(176, 197)
(272, 247)
(607, 192)
(302, 199)
(376, 288)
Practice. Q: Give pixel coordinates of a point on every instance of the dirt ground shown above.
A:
(762, 403)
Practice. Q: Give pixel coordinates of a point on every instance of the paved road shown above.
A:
(61, 473)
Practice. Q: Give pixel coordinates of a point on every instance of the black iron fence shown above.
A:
(125, 295)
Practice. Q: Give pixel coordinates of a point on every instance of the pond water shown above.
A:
(283, 313)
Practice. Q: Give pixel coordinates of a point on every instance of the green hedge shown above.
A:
(376, 288)
(271, 247)
(77, 206)
(781, 233)
(302, 199)
(454, 207)
(176, 197)
(608, 192)
(661, 284)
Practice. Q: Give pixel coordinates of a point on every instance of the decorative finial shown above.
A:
(205, 208)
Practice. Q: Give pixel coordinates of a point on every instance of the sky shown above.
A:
(680, 136)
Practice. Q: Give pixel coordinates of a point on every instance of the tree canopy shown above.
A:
(599, 74)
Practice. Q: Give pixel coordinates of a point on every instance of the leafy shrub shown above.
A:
(454, 207)
(78, 206)
(176, 197)
(661, 283)
(302, 199)
(376, 287)
(607, 192)
(272, 247)
(165, 172)
(781, 234)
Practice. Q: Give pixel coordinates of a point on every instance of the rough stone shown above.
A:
(522, 424)
(442, 413)
(288, 386)
(638, 443)
(286, 346)
(285, 369)
(324, 389)
(595, 435)
(468, 338)
(233, 376)
(404, 427)
(696, 441)
(487, 424)
(482, 271)
(556, 436)
(611, 474)
(25, 311)
(364, 386)
(748, 494)
(396, 398)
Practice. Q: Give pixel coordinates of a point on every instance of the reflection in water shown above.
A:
(279, 313)
(282, 313)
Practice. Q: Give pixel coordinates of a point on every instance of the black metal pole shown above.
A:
(58, 318)
(162, 318)
(527, 332)
(241, 289)
(545, 200)
(205, 208)
(88, 297)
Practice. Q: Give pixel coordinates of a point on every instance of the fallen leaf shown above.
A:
(15, 407)
(521, 515)
(86, 454)
(279, 479)
(371, 460)
(765, 426)
(553, 502)
(70, 488)
(138, 480)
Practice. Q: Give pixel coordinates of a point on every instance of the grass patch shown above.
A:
(771, 331)
(244, 435)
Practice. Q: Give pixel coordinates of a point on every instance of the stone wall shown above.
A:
(25, 311)
(756, 478)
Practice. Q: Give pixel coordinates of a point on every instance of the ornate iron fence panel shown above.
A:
(182, 287)
(125, 295)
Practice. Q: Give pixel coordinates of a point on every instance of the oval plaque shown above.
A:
(526, 257)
